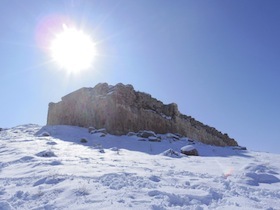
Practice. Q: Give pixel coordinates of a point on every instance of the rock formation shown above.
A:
(120, 109)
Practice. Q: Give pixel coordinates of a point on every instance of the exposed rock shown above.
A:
(83, 140)
(154, 139)
(190, 141)
(239, 148)
(178, 135)
(173, 136)
(101, 130)
(131, 134)
(170, 153)
(45, 133)
(189, 150)
(91, 129)
(120, 109)
(146, 134)
(46, 153)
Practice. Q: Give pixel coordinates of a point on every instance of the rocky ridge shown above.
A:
(120, 109)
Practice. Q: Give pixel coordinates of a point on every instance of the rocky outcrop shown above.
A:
(120, 109)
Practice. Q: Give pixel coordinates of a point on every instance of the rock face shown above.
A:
(120, 109)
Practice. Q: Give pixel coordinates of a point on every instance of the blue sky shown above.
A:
(218, 60)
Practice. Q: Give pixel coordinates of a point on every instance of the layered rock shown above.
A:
(120, 109)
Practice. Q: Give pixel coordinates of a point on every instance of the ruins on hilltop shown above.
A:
(120, 109)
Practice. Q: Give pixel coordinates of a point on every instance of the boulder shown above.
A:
(83, 140)
(131, 134)
(91, 129)
(173, 136)
(102, 135)
(146, 134)
(189, 150)
(154, 139)
(170, 153)
(101, 130)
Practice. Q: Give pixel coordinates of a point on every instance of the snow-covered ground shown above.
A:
(129, 172)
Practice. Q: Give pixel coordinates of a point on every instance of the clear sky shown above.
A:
(218, 60)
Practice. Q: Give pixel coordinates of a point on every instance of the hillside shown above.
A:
(50, 168)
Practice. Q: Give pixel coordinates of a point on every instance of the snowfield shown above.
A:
(66, 167)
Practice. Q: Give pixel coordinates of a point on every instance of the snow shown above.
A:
(165, 116)
(57, 171)
(187, 148)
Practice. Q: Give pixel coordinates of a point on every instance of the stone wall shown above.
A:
(120, 109)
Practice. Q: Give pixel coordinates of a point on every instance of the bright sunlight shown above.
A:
(73, 50)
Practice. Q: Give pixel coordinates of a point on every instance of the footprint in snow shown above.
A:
(55, 163)
(51, 143)
(154, 178)
(256, 174)
(26, 158)
(48, 180)
(46, 153)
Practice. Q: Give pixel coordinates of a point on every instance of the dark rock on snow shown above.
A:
(189, 150)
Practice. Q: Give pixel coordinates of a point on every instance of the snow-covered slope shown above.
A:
(128, 172)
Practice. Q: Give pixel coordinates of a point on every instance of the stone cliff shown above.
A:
(120, 109)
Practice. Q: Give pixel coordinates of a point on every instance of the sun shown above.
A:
(73, 50)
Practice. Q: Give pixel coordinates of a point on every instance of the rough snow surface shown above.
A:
(126, 172)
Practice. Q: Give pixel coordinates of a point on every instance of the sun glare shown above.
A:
(73, 50)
